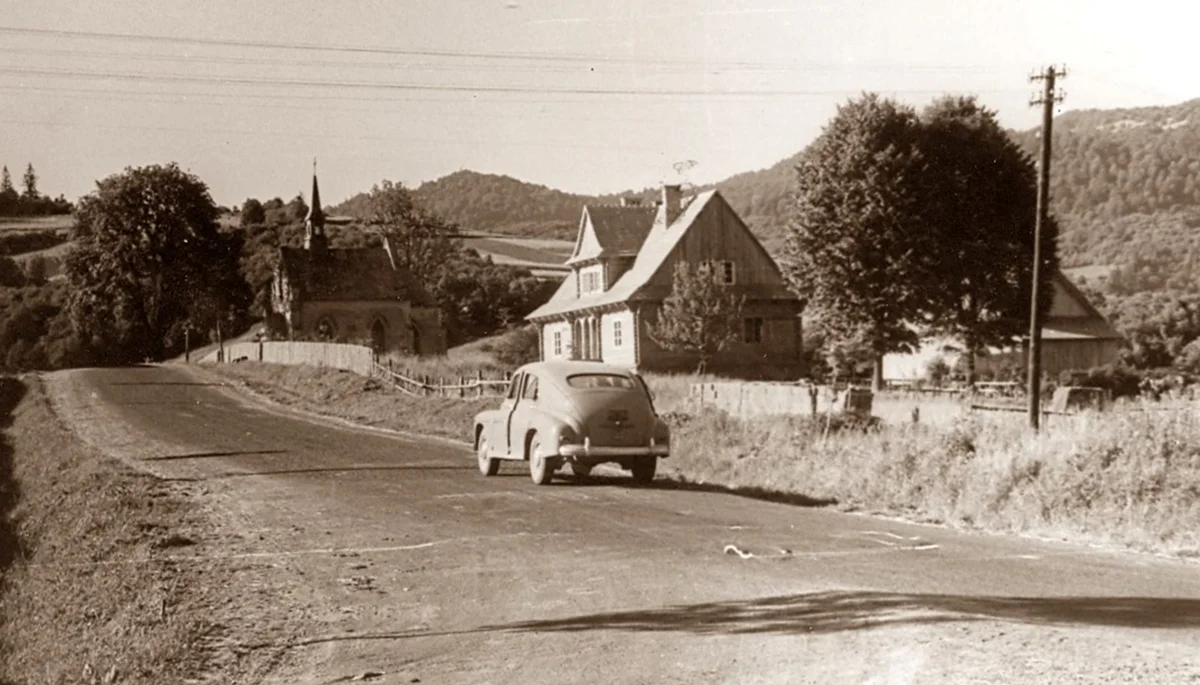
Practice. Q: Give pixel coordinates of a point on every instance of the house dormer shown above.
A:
(608, 243)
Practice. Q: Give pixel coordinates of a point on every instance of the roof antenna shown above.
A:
(683, 166)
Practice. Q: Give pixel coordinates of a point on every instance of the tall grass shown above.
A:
(1131, 478)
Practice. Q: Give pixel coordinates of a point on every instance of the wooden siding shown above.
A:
(563, 328)
(779, 355)
(718, 234)
(1057, 356)
(623, 354)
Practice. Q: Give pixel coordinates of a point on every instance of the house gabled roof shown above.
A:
(618, 230)
(357, 274)
(658, 245)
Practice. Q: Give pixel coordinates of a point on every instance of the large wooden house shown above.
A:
(622, 269)
(356, 295)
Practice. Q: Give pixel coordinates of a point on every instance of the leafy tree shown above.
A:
(30, 182)
(11, 274)
(418, 240)
(983, 215)
(149, 259)
(701, 316)
(858, 250)
(253, 213)
(297, 209)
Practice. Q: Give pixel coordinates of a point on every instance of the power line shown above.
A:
(438, 87)
(463, 54)
(287, 134)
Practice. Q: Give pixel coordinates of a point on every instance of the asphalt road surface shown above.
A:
(398, 557)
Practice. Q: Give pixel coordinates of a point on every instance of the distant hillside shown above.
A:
(1125, 188)
(497, 204)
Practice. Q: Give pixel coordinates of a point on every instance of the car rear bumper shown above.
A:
(590, 451)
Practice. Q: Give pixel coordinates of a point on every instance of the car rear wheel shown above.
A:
(541, 467)
(487, 465)
(643, 470)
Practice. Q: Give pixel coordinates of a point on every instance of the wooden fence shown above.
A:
(421, 385)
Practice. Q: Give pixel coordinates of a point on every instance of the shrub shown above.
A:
(1121, 381)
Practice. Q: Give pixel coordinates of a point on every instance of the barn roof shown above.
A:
(363, 274)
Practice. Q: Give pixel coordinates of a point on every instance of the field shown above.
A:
(36, 223)
(528, 252)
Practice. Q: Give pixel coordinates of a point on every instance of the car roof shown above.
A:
(561, 368)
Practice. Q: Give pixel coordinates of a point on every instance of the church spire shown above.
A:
(314, 223)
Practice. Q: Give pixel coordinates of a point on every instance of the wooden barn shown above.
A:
(1074, 336)
(622, 269)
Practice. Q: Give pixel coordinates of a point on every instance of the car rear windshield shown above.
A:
(600, 380)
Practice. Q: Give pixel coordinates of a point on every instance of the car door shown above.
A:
(522, 414)
(499, 430)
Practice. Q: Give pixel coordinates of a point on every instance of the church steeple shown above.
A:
(314, 223)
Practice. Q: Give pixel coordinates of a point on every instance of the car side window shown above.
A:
(531, 388)
(514, 387)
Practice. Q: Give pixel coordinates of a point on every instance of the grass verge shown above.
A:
(91, 589)
(1129, 478)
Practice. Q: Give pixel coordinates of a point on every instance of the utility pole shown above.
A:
(1047, 100)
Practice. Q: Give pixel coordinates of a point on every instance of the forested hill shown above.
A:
(501, 204)
(1125, 187)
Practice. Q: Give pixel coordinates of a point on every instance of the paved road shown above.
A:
(440, 574)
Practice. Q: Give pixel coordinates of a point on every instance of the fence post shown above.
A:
(462, 387)
(479, 382)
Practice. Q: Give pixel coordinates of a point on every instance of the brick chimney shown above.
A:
(672, 196)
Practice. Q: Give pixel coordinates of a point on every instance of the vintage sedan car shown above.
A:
(577, 413)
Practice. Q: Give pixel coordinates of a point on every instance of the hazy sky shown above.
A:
(582, 95)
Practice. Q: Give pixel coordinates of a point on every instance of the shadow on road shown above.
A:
(830, 612)
(323, 469)
(764, 494)
(211, 455)
(11, 393)
(199, 383)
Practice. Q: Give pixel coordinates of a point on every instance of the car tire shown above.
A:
(541, 467)
(488, 466)
(643, 469)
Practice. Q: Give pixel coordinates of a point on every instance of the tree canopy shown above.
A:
(148, 262)
(701, 316)
(982, 211)
(859, 251)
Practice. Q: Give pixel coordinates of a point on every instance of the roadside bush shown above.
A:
(518, 346)
(1121, 381)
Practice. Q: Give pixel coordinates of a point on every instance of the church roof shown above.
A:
(316, 215)
(355, 274)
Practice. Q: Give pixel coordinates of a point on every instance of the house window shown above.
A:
(752, 329)
(616, 334)
(557, 343)
(591, 282)
(723, 271)
(726, 274)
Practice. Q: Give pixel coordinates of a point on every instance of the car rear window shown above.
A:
(600, 380)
